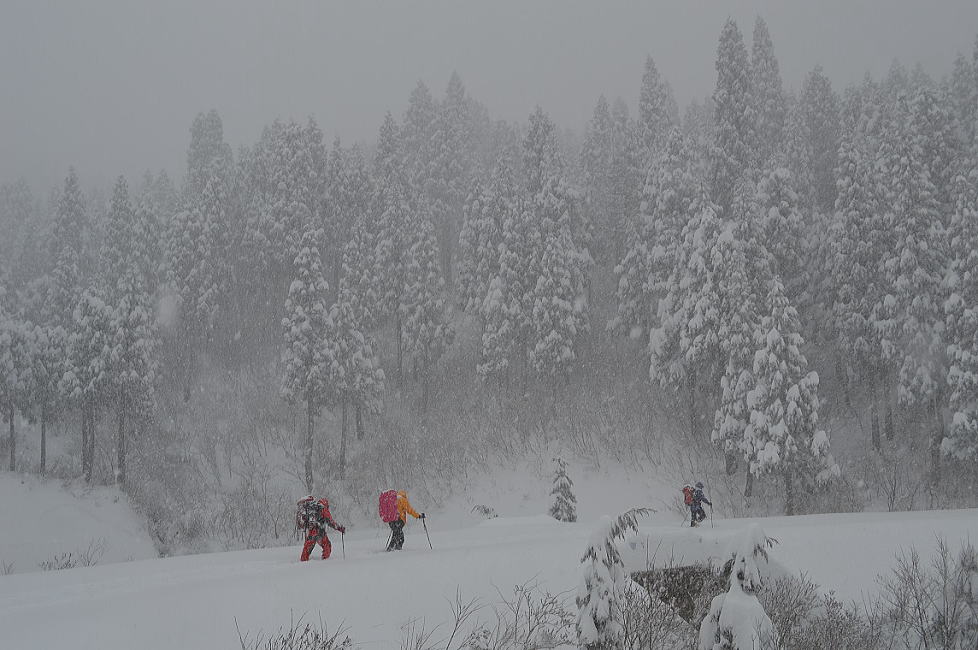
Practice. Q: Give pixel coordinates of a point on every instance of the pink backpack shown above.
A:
(387, 507)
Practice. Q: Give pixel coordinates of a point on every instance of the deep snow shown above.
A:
(196, 601)
(43, 518)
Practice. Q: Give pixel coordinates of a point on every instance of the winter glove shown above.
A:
(342, 529)
(422, 515)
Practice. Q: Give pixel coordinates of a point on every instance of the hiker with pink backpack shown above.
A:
(394, 508)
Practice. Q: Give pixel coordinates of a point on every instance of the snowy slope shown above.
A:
(194, 601)
(40, 519)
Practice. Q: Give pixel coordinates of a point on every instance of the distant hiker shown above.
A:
(394, 508)
(694, 499)
(313, 516)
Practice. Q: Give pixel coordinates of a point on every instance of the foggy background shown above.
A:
(112, 86)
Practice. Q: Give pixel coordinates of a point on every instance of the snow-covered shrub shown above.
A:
(486, 511)
(564, 507)
(531, 619)
(88, 556)
(789, 602)
(299, 635)
(600, 592)
(648, 622)
(935, 606)
(737, 620)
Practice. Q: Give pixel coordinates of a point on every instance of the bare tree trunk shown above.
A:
(359, 416)
(843, 374)
(789, 493)
(13, 438)
(888, 427)
(91, 442)
(749, 485)
(400, 349)
(120, 443)
(84, 448)
(874, 416)
(935, 445)
(553, 401)
(343, 440)
(309, 422)
(691, 389)
(44, 438)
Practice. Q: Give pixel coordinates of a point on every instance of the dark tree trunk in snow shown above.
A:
(935, 444)
(553, 400)
(888, 427)
(360, 430)
(400, 349)
(749, 485)
(843, 374)
(13, 438)
(691, 389)
(84, 436)
(309, 425)
(874, 416)
(120, 443)
(789, 493)
(343, 422)
(44, 439)
(91, 443)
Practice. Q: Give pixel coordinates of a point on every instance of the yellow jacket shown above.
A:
(404, 507)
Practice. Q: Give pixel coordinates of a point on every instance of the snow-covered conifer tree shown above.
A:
(914, 269)
(355, 374)
(597, 159)
(767, 96)
(685, 348)
(670, 190)
(15, 375)
(68, 251)
(564, 507)
(47, 357)
(307, 355)
(961, 441)
(629, 169)
(559, 313)
(87, 379)
(599, 594)
(737, 620)
(782, 434)
(820, 108)
(734, 118)
(655, 118)
(426, 329)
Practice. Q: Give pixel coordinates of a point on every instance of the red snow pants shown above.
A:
(315, 535)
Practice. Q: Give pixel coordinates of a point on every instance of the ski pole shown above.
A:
(425, 524)
(343, 543)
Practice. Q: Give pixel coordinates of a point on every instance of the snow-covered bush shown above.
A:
(737, 620)
(564, 507)
(648, 622)
(486, 511)
(600, 592)
(299, 635)
(531, 619)
(933, 606)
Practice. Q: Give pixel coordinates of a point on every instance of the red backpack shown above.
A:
(688, 495)
(387, 507)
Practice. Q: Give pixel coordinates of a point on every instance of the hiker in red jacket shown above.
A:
(314, 517)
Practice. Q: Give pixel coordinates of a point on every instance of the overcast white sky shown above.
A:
(112, 86)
